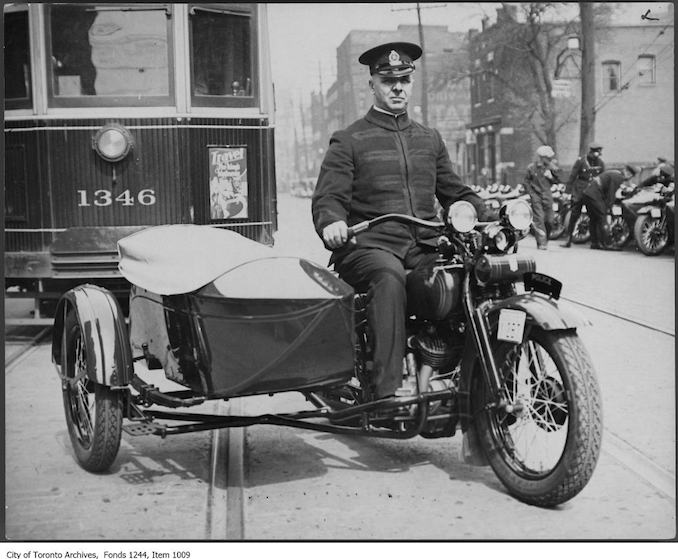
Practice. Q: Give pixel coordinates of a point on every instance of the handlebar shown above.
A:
(365, 225)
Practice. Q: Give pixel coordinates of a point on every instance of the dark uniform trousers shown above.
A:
(382, 275)
(583, 171)
(542, 214)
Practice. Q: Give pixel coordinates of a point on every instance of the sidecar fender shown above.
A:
(545, 312)
(102, 323)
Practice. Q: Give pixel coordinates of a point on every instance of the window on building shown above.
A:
(646, 68)
(490, 85)
(611, 75)
(17, 61)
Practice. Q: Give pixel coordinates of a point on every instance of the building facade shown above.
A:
(634, 102)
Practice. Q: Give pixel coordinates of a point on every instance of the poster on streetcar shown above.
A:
(228, 182)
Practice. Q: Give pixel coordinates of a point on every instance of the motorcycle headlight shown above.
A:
(501, 241)
(462, 216)
(519, 214)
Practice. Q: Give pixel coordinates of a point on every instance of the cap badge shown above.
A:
(393, 58)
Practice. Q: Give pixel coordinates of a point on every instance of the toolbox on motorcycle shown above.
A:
(226, 316)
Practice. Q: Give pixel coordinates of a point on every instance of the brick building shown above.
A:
(634, 67)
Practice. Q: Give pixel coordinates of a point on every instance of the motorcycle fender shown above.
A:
(543, 311)
(645, 210)
(102, 323)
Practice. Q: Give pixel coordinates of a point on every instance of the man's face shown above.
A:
(391, 93)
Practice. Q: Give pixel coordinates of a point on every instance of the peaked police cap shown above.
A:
(391, 59)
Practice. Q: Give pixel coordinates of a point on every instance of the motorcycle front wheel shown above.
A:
(581, 233)
(544, 442)
(651, 234)
(93, 411)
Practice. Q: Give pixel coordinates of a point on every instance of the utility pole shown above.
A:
(588, 77)
(424, 83)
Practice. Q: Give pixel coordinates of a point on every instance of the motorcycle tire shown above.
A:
(93, 411)
(619, 232)
(651, 234)
(581, 233)
(544, 450)
(558, 226)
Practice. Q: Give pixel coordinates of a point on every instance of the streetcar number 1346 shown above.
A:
(145, 197)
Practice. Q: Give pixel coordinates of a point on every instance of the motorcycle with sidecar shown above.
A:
(493, 352)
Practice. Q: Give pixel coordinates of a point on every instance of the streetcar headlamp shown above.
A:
(112, 142)
(462, 216)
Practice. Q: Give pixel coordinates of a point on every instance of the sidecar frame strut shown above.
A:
(143, 421)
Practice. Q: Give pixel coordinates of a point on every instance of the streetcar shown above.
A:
(123, 116)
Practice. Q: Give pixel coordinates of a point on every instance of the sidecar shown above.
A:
(223, 316)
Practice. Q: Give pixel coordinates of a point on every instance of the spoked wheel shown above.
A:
(544, 441)
(93, 411)
(558, 226)
(619, 232)
(581, 233)
(651, 234)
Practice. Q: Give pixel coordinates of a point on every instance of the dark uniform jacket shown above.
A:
(603, 188)
(385, 164)
(583, 170)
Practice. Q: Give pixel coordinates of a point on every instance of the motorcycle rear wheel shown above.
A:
(558, 226)
(581, 233)
(93, 411)
(651, 234)
(619, 232)
(545, 451)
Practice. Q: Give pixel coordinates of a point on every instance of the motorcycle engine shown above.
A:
(433, 295)
(435, 350)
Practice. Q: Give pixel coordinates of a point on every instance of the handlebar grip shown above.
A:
(358, 228)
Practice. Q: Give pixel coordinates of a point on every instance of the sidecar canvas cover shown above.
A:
(226, 316)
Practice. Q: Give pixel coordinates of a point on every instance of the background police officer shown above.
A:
(584, 170)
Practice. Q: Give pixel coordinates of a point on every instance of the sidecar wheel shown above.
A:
(93, 411)
(651, 234)
(581, 233)
(544, 449)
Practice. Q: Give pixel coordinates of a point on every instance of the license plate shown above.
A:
(616, 210)
(511, 326)
(655, 212)
(555, 206)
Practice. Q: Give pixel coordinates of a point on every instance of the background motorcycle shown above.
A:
(655, 223)
(561, 206)
(622, 217)
(491, 351)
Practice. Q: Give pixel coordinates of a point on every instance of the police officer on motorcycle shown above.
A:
(584, 170)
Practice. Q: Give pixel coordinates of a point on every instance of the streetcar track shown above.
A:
(622, 317)
(29, 346)
(640, 464)
(225, 495)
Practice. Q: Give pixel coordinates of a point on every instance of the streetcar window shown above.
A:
(17, 61)
(109, 55)
(221, 56)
